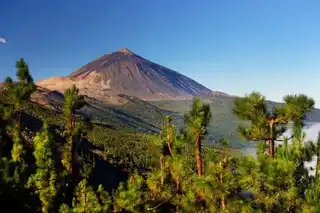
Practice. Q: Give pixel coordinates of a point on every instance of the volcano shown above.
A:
(124, 72)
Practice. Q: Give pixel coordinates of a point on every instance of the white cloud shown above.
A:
(2, 40)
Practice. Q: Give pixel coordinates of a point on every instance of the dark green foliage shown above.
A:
(120, 147)
(44, 180)
(129, 196)
(23, 74)
(86, 199)
(296, 108)
(198, 118)
(72, 102)
(19, 92)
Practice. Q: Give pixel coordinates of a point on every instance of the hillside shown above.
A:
(137, 115)
(124, 72)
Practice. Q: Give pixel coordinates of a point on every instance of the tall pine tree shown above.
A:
(197, 120)
(44, 180)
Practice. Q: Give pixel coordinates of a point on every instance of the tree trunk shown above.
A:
(178, 187)
(74, 163)
(85, 198)
(115, 210)
(72, 121)
(223, 201)
(45, 208)
(19, 117)
(170, 148)
(221, 175)
(318, 167)
(271, 148)
(198, 154)
(162, 169)
(271, 138)
(74, 149)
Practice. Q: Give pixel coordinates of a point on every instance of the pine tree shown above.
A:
(180, 185)
(167, 138)
(269, 125)
(279, 184)
(129, 196)
(19, 92)
(44, 180)
(72, 102)
(312, 194)
(86, 199)
(176, 179)
(296, 108)
(14, 172)
(169, 134)
(17, 152)
(197, 120)
(312, 198)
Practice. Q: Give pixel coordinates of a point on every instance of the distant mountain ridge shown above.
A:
(124, 72)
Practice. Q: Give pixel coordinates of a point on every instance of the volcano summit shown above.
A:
(124, 72)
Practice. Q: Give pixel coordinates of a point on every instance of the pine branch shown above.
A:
(160, 204)
(283, 139)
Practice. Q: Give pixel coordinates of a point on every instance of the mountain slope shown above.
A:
(124, 72)
(136, 115)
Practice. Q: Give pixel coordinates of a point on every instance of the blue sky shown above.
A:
(235, 46)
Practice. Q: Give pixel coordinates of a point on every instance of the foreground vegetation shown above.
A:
(52, 168)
